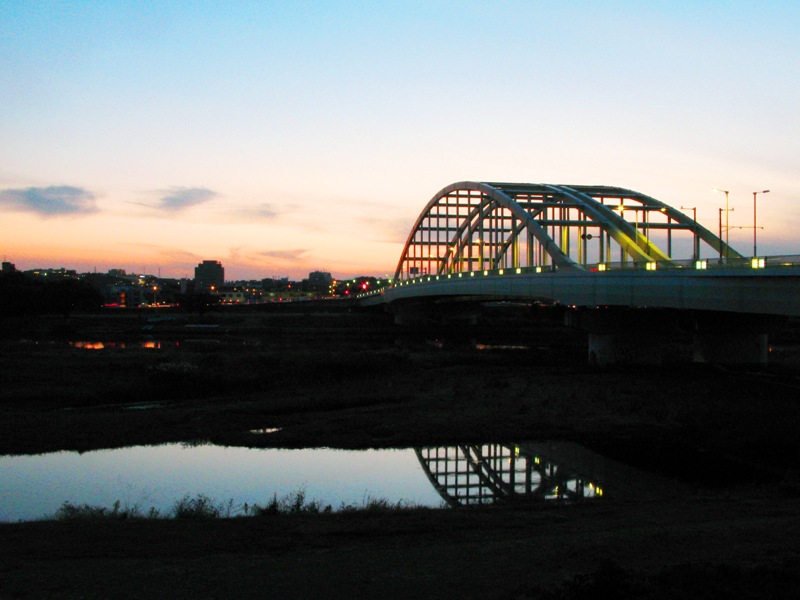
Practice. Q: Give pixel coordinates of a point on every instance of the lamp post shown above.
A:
(695, 246)
(755, 229)
(727, 229)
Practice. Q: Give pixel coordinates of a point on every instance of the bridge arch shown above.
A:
(469, 475)
(472, 226)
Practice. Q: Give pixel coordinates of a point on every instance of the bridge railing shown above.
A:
(788, 260)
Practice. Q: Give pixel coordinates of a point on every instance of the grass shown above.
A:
(204, 507)
(77, 512)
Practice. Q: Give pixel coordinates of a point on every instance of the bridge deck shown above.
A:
(765, 291)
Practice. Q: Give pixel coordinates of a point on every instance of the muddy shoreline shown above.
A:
(351, 381)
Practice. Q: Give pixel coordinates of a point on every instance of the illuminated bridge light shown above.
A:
(650, 266)
(758, 263)
(701, 265)
(500, 272)
(519, 270)
(601, 267)
(538, 269)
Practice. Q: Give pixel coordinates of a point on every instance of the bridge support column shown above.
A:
(731, 348)
(732, 339)
(624, 336)
(624, 349)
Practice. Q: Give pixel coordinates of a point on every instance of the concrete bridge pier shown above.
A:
(732, 339)
(619, 336)
(625, 336)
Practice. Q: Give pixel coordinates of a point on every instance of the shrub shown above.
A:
(293, 503)
(200, 507)
(68, 511)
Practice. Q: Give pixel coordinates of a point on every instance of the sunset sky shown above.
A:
(285, 137)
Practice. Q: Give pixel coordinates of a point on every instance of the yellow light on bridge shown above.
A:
(701, 264)
(601, 267)
(651, 266)
(758, 263)
(519, 270)
(538, 269)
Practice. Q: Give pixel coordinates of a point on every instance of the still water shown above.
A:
(32, 487)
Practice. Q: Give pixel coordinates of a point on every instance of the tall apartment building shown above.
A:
(208, 275)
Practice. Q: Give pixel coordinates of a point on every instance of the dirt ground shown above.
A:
(728, 436)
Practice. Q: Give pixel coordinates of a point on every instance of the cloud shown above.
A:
(291, 255)
(260, 212)
(393, 231)
(53, 201)
(177, 199)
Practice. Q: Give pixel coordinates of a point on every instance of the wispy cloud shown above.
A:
(53, 201)
(176, 199)
(393, 231)
(290, 255)
(259, 212)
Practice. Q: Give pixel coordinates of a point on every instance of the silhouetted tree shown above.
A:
(19, 295)
(197, 303)
(68, 295)
(24, 295)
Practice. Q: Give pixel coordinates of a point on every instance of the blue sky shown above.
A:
(284, 137)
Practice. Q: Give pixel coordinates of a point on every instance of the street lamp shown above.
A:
(695, 245)
(755, 229)
(727, 229)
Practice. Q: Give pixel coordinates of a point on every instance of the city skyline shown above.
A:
(282, 138)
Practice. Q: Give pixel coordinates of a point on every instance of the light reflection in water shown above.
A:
(147, 344)
(496, 473)
(157, 476)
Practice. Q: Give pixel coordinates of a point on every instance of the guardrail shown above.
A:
(711, 264)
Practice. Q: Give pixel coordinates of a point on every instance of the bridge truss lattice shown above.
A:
(474, 226)
(498, 473)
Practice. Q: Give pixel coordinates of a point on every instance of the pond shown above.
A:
(35, 486)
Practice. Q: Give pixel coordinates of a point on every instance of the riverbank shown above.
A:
(348, 381)
(702, 546)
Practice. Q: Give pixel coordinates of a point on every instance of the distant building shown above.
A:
(61, 273)
(319, 282)
(233, 297)
(320, 278)
(208, 275)
(129, 296)
(9, 267)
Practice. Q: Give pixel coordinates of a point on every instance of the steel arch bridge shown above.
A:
(474, 226)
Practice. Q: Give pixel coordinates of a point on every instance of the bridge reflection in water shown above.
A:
(471, 475)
